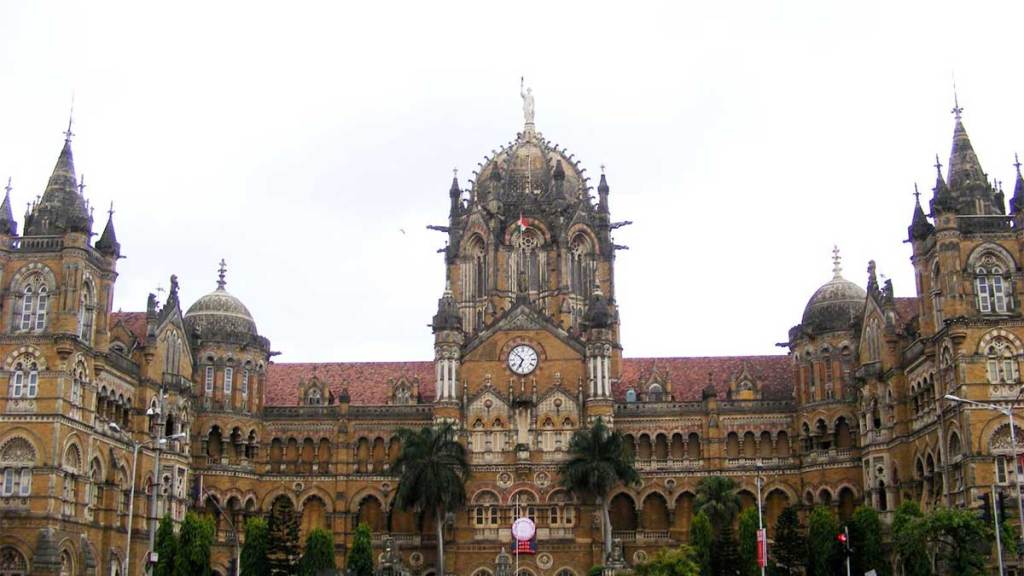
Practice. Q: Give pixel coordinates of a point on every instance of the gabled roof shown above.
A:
(370, 382)
(134, 322)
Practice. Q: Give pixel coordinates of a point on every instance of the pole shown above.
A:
(760, 520)
(131, 507)
(995, 518)
(1016, 468)
(158, 435)
(846, 531)
(514, 536)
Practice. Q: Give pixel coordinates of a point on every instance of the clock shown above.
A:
(522, 359)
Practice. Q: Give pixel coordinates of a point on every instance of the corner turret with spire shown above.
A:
(62, 209)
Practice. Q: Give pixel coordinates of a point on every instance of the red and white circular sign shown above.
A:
(523, 529)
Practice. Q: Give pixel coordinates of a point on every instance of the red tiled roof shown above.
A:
(369, 382)
(689, 376)
(906, 309)
(135, 322)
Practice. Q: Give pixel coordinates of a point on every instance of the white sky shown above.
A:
(297, 139)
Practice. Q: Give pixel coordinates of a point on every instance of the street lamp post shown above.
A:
(154, 498)
(234, 529)
(1008, 412)
(131, 492)
(760, 520)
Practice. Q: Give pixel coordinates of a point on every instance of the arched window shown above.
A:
(86, 313)
(474, 269)
(581, 266)
(527, 261)
(208, 384)
(655, 393)
(937, 296)
(485, 510)
(172, 354)
(12, 563)
(313, 397)
(229, 378)
(95, 484)
(27, 308)
(17, 458)
(631, 395)
(1001, 364)
(993, 292)
(25, 380)
(245, 379)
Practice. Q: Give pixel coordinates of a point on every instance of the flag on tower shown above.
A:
(523, 223)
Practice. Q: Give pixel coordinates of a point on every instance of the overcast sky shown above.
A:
(299, 140)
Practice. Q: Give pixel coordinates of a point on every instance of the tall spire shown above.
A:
(61, 208)
(1017, 202)
(108, 244)
(602, 192)
(919, 227)
(7, 224)
(964, 168)
(942, 197)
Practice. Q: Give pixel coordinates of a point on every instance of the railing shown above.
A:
(400, 539)
(37, 243)
(770, 462)
(399, 412)
(669, 464)
(641, 535)
(642, 408)
(283, 412)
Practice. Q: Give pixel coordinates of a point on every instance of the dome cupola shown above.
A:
(219, 314)
(836, 305)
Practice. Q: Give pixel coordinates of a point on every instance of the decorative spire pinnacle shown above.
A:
(919, 228)
(1016, 164)
(837, 260)
(68, 134)
(7, 224)
(938, 165)
(81, 185)
(7, 189)
(917, 195)
(110, 211)
(1017, 201)
(957, 110)
(220, 274)
(108, 244)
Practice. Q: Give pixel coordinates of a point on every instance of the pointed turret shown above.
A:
(455, 193)
(602, 193)
(964, 167)
(942, 196)
(1017, 201)
(108, 244)
(447, 317)
(8, 227)
(62, 208)
(919, 228)
(597, 316)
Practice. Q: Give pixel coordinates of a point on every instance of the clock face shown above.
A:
(522, 359)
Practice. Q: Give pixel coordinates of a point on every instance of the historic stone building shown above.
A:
(526, 352)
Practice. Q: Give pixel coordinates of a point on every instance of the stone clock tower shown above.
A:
(526, 334)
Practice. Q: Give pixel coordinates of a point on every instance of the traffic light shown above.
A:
(844, 540)
(986, 507)
(1002, 503)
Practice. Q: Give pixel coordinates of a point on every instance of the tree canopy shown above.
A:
(318, 555)
(360, 556)
(254, 550)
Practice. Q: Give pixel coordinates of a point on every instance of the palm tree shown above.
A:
(716, 497)
(433, 471)
(598, 461)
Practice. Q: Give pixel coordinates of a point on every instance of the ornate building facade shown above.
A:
(526, 352)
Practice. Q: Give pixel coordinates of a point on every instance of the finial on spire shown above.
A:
(220, 274)
(455, 172)
(7, 189)
(81, 185)
(1016, 164)
(602, 168)
(837, 260)
(938, 165)
(71, 116)
(917, 194)
(110, 211)
(957, 110)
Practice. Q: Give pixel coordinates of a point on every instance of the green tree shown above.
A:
(254, 550)
(909, 540)
(716, 497)
(670, 562)
(822, 552)
(725, 558)
(318, 555)
(166, 545)
(790, 550)
(747, 542)
(702, 537)
(194, 542)
(954, 535)
(360, 556)
(598, 461)
(283, 532)
(433, 470)
(866, 541)
(596, 571)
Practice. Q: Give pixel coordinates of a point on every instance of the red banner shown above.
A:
(762, 548)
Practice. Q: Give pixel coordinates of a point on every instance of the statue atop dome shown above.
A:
(527, 95)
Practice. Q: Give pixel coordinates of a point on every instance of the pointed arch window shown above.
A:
(994, 293)
(581, 266)
(25, 380)
(172, 354)
(1001, 365)
(209, 381)
(86, 313)
(41, 302)
(527, 262)
(474, 270)
(27, 308)
(245, 381)
(229, 377)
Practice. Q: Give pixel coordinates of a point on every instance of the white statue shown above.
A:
(527, 95)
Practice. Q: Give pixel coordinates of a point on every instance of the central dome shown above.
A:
(530, 166)
(836, 305)
(219, 313)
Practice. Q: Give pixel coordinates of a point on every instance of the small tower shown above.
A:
(448, 339)
(8, 227)
(108, 244)
(600, 342)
